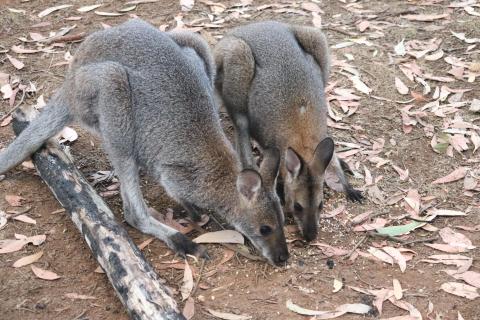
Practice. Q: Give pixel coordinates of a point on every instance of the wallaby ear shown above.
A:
(249, 182)
(293, 162)
(270, 165)
(322, 156)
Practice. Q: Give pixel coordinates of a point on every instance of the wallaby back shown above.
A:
(272, 83)
(149, 96)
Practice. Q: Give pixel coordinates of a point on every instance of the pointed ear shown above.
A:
(249, 183)
(322, 156)
(293, 162)
(270, 165)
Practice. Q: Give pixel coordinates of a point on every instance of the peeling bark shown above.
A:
(137, 285)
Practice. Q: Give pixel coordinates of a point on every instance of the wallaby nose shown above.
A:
(310, 233)
(283, 257)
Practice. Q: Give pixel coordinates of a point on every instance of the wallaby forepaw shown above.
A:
(182, 246)
(354, 195)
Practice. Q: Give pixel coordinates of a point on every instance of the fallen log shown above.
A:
(141, 291)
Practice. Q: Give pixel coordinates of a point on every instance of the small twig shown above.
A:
(350, 34)
(80, 315)
(406, 243)
(69, 38)
(358, 244)
(14, 108)
(199, 278)
(19, 213)
(390, 100)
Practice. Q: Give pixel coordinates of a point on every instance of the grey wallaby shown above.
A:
(149, 96)
(271, 77)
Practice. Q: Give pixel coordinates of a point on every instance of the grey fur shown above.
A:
(149, 96)
(271, 77)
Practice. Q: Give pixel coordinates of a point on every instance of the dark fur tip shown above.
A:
(183, 246)
(354, 195)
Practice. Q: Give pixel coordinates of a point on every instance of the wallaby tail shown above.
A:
(49, 122)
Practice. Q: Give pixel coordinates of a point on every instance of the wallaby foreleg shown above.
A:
(243, 143)
(117, 130)
(236, 69)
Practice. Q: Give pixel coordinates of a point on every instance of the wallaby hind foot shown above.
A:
(340, 167)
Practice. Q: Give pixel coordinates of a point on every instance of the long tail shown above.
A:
(49, 122)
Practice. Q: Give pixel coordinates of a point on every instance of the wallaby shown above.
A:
(271, 77)
(149, 96)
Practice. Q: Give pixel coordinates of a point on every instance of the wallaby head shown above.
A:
(303, 186)
(259, 215)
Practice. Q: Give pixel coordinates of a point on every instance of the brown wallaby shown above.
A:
(271, 77)
(149, 96)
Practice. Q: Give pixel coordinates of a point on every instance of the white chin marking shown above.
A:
(303, 109)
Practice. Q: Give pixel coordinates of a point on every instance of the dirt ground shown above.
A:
(241, 286)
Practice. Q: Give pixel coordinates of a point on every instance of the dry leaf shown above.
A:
(28, 260)
(397, 289)
(463, 263)
(363, 25)
(378, 223)
(53, 9)
(76, 296)
(187, 284)
(435, 56)
(460, 289)
(379, 254)
(312, 7)
(44, 274)
(145, 243)
(360, 85)
(13, 200)
(401, 51)
(401, 87)
(228, 316)
(470, 277)
(397, 256)
(15, 62)
(402, 173)
(425, 17)
(189, 308)
(24, 218)
(445, 247)
(187, 5)
(316, 20)
(334, 212)
(455, 175)
(337, 285)
(455, 239)
(89, 8)
(108, 14)
(223, 236)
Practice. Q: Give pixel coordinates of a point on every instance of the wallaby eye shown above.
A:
(320, 206)
(265, 230)
(297, 206)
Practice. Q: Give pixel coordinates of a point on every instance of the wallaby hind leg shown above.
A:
(115, 125)
(236, 69)
(340, 167)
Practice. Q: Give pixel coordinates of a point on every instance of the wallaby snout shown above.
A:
(304, 186)
(260, 217)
